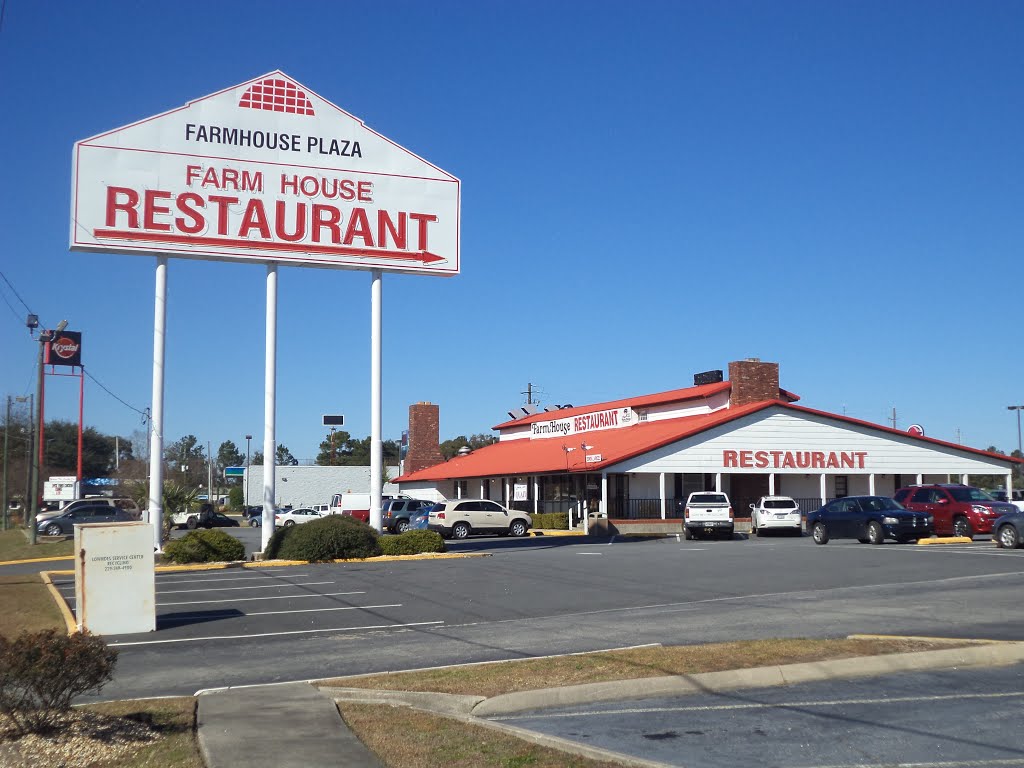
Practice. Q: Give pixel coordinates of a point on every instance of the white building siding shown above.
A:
(773, 430)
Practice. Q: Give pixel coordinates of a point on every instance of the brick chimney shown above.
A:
(753, 381)
(424, 437)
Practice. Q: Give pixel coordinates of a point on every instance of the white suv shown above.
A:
(459, 518)
(775, 513)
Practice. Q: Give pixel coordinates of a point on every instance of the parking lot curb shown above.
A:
(946, 540)
(62, 606)
(38, 560)
(555, 532)
(986, 655)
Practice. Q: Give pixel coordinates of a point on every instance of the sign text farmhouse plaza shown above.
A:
(265, 171)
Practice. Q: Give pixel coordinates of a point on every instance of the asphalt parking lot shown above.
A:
(537, 596)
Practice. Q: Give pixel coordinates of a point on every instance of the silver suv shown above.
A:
(459, 518)
(396, 513)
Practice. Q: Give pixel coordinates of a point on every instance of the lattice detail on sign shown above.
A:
(277, 95)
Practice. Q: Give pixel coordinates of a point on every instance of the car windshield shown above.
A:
(779, 504)
(879, 503)
(969, 494)
(708, 498)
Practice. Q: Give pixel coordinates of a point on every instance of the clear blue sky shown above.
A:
(649, 190)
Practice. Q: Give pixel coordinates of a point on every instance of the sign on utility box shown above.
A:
(115, 584)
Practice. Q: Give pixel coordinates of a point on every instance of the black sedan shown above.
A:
(869, 519)
(218, 520)
(1008, 530)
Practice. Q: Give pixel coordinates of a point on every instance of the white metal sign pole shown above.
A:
(376, 463)
(156, 440)
(270, 407)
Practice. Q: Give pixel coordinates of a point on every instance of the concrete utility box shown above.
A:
(115, 583)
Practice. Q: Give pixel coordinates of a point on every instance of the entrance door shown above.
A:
(745, 490)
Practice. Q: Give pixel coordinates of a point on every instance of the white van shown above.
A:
(321, 509)
(357, 504)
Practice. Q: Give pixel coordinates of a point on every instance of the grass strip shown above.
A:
(14, 545)
(27, 606)
(531, 674)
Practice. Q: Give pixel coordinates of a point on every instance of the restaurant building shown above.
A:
(632, 461)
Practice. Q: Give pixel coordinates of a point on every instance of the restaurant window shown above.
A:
(842, 489)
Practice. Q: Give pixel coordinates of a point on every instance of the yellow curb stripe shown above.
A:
(554, 532)
(38, 560)
(62, 606)
(946, 540)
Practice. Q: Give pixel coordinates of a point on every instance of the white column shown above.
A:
(536, 495)
(965, 479)
(270, 408)
(771, 483)
(508, 495)
(376, 459)
(920, 479)
(1009, 487)
(482, 481)
(661, 483)
(824, 498)
(156, 438)
(871, 484)
(718, 481)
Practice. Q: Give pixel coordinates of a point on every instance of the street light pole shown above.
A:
(248, 441)
(1017, 408)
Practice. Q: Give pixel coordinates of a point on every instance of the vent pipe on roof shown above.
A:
(464, 451)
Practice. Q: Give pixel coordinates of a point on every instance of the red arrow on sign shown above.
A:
(424, 257)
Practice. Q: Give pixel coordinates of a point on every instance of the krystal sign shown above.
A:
(65, 349)
(265, 171)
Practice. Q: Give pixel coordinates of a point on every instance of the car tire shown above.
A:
(460, 531)
(53, 530)
(962, 527)
(819, 533)
(401, 526)
(517, 528)
(862, 541)
(192, 523)
(876, 535)
(686, 534)
(1007, 537)
(253, 523)
(289, 523)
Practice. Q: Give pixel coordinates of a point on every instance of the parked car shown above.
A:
(322, 509)
(218, 520)
(396, 513)
(775, 513)
(420, 520)
(251, 511)
(1008, 530)
(869, 519)
(64, 523)
(294, 516)
(256, 521)
(460, 518)
(708, 513)
(959, 510)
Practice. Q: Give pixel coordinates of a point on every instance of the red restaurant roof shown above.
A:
(524, 456)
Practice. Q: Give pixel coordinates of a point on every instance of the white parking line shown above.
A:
(237, 614)
(231, 589)
(271, 597)
(166, 578)
(588, 553)
(274, 634)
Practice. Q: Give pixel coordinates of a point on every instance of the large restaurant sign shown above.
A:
(794, 459)
(265, 171)
(586, 422)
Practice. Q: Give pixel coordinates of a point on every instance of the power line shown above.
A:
(122, 402)
(15, 292)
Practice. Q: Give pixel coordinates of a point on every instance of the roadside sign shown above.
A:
(234, 471)
(334, 421)
(265, 171)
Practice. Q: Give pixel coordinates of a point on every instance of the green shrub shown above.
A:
(412, 543)
(212, 546)
(335, 537)
(41, 672)
(557, 521)
(236, 498)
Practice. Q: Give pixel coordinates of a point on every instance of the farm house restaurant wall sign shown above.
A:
(264, 171)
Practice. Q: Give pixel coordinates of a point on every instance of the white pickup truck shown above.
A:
(708, 513)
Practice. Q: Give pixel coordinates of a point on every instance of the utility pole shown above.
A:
(528, 393)
(893, 419)
(209, 474)
(7, 429)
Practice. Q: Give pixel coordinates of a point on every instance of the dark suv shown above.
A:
(959, 510)
(396, 513)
